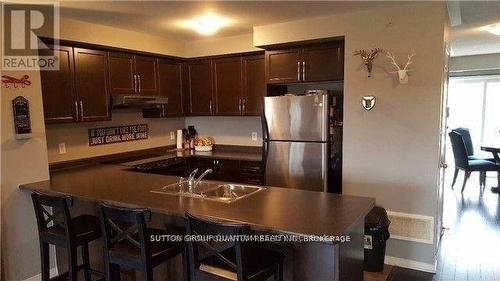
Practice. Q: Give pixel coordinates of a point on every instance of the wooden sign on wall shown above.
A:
(107, 135)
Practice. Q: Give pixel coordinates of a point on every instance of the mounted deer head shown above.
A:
(368, 58)
(401, 71)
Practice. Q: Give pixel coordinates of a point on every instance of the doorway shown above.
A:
(470, 245)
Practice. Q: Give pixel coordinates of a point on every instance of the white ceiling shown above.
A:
(162, 17)
(467, 38)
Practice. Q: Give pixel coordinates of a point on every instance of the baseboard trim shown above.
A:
(411, 264)
(38, 277)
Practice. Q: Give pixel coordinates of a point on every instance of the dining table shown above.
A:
(495, 150)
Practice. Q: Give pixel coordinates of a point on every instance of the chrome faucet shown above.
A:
(191, 176)
(207, 171)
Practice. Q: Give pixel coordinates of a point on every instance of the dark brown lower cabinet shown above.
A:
(239, 171)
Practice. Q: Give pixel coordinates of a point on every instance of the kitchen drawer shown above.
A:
(251, 166)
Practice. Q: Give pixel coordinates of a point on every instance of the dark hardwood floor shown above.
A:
(470, 246)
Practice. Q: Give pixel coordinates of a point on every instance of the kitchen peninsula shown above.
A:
(272, 210)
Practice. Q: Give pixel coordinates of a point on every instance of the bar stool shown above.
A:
(235, 260)
(60, 229)
(128, 242)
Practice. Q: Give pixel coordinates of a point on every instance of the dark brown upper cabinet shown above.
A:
(254, 85)
(91, 84)
(313, 63)
(132, 74)
(231, 85)
(78, 91)
(146, 69)
(170, 85)
(200, 80)
(59, 100)
(228, 86)
(121, 73)
(323, 63)
(283, 66)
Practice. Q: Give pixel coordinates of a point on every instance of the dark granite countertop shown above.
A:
(274, 209)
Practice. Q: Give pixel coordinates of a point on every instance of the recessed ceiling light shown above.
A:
(208, 24)
(492, 28)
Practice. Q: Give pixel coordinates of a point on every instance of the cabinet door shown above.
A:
(283, 66)
(227, 170)
(254, 85)
(323, 63)
(59, 102)
(91, 85)
(200, 87)
(170, 85)
(146, 69)
(121, 73)
(228, 86)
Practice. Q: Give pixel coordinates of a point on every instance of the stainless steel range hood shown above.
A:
(139, 101)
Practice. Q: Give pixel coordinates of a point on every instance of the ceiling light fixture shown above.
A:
(492, 28)
(208, 24)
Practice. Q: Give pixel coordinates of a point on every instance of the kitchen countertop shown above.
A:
(274, 209)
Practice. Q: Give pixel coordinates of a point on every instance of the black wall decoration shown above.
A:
(22, 122)
(107, 135)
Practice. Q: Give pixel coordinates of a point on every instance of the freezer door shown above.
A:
(300, 165)
(297, 118)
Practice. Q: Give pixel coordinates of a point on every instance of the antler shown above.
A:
(410, 56)
(393, 59)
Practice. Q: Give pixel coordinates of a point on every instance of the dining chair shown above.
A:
(232, 259)
(462, 161)
(469, 146)
(128, 242)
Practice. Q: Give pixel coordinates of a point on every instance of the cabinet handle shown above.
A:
(81, 110)
(135, 83)
(303, 70)
(210, 106)
(139, 79)
(239, 106)
(76, 110)
(243, 105)
(298, 70)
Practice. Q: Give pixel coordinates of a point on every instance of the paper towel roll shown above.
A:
(179, 139)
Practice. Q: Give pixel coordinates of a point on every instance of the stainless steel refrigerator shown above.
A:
(298, 141)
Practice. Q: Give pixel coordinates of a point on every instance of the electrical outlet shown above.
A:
(62, 148)
(172, 135)
(254, 136)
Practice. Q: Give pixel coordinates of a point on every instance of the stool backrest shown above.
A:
(200, 250)
(51, 210)
(459, 150)
(125, 225)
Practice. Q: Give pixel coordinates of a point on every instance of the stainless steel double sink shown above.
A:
(210, 190)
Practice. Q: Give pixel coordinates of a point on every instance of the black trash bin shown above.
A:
(376, 235)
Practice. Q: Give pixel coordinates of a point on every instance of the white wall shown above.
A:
(22, 161)
(390, 153)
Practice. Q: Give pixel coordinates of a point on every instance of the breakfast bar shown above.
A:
(271, 210)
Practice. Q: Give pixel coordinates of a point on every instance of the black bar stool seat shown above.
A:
(128, 242)
(260, 263)
(124, 252)
(86, 228)
(231, 258)
(57, 227)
